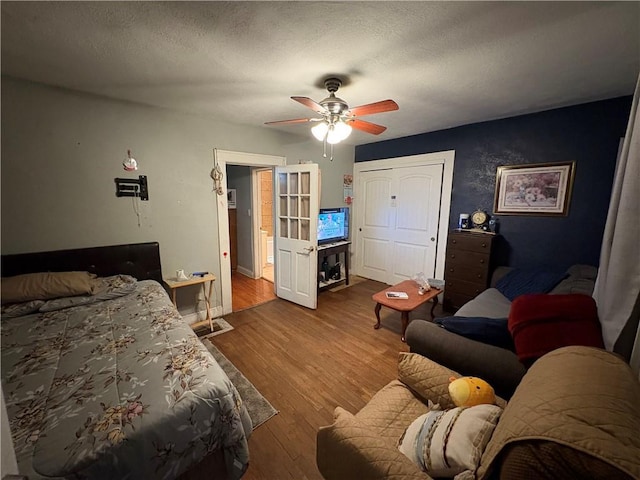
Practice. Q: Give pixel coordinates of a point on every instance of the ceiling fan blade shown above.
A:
(293, 120)
(366, 126)
(313, 105)
(371, 108)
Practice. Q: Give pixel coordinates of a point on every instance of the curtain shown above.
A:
(617, 286)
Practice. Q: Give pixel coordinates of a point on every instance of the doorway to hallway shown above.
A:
(247, 243)
(250, 292)
(264, 182)
(251, 235)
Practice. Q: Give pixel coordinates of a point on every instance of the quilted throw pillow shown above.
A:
(446, 443)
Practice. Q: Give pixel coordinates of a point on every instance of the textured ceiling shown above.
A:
(444, 63)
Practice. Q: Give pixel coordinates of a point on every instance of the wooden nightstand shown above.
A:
(174, 285)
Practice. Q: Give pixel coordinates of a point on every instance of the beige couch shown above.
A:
(574, 415)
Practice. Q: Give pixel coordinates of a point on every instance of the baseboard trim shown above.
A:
(245, 271)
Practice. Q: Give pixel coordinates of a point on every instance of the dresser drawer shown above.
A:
(466, 273)
(467, 259)
(470, 289)
(473, 242)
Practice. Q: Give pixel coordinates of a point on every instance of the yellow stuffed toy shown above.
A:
(470, 391)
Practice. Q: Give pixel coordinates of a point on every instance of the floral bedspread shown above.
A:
(117, 389)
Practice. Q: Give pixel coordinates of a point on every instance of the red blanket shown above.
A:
(541, 323)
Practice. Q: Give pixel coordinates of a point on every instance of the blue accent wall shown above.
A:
(588, 134)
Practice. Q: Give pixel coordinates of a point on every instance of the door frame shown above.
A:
(445, 158)
(256, 197)
(222, 158)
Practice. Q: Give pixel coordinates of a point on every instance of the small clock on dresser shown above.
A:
(480, 220)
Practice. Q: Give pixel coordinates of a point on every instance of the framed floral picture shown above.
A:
(534, 189)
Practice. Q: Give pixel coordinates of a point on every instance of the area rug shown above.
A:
(353, 280)
(220, 326)
(259, 408)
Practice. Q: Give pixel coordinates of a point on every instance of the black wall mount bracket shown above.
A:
(130, 187)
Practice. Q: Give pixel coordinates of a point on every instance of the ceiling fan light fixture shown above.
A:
(338, 132)
(320, 131)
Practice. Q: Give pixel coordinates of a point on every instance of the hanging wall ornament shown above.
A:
(130, 163)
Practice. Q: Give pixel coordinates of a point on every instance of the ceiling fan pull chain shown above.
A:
(324, 148)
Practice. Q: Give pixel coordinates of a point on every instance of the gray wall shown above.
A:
(61, 151)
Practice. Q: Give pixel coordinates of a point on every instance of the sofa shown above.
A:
(573, 415)
(498, 365)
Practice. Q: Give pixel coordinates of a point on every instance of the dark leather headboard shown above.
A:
(141, 260)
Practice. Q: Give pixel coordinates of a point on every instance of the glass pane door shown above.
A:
(294, 194)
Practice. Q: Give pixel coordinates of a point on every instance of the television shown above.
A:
(333, 225)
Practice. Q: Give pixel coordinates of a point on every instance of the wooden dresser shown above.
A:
(468, 267)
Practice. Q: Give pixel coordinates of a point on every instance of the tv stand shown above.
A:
(336, 249)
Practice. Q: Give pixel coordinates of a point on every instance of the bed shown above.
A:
(113, 383)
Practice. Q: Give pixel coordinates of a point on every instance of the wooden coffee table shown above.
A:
(404, 306)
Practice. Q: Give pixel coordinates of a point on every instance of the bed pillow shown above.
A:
(526, 281)
(20, 309)
(492, 331)
(46, 285)
(107, 289)
(114, 286)
(445, 443)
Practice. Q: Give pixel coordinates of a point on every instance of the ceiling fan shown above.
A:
(336, 118)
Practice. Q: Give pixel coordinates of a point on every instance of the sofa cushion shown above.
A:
(543, 459)
(428, 379)
(490, 304)
(582, 397)
(526, 281)
(445, 443)
(391, 410)
(542, 323)
(350, 449)
(588, 272)
(492, 331)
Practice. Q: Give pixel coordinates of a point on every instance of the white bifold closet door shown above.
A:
(398, 224)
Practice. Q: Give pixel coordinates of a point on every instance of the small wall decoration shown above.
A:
(129, 163)
(534, 189)
(347, 184)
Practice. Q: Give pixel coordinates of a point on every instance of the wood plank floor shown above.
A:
(248, 292)
(308, 362)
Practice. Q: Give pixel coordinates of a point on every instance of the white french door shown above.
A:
(296, 235)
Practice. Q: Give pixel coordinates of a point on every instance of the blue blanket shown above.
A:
(522, 282)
